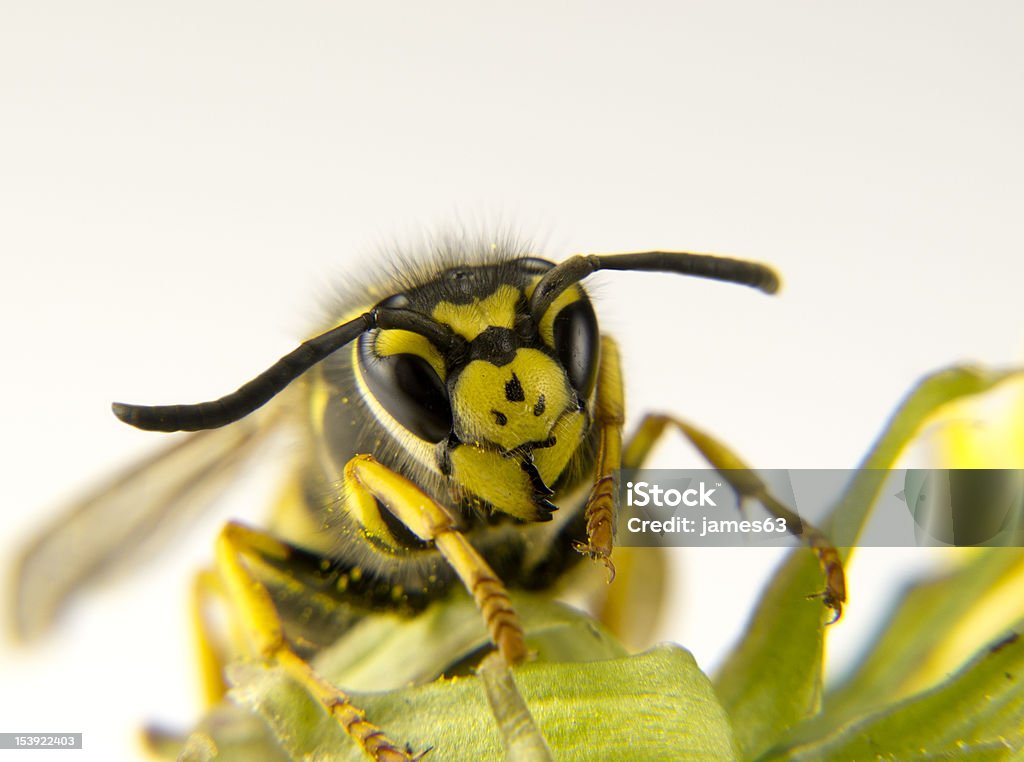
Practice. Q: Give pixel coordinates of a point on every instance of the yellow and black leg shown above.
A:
(600, 510)
(264, 631)
(748, 485)
(368, 481)
(609, 417)
(245, 558)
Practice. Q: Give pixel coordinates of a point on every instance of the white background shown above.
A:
(181, 182)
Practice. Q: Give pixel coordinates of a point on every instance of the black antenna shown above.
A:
(573, 270)
(259, 391)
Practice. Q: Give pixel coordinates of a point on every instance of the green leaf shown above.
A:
(657, 705)
(923, 401)
(929, 630)
(978, 711)
(772, 680)
(601, 705)
(387, 651)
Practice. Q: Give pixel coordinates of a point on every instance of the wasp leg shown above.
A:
(365, 478)
(609, 416)
(212, 655)
(748, 485)
(265, 632)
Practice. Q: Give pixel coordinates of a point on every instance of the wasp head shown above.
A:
(506, 402)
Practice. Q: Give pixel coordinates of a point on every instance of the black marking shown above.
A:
(500, 417)
(495, 345)
(366, 589)
(526, 448)
(545, 510)
(539, 408)
(514, 390)
(539, 487)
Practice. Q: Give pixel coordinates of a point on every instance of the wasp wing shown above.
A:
(110, 527)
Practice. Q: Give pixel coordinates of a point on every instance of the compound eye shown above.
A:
(408, 387)
(576, 342)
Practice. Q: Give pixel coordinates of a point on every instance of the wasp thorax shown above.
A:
(514, 405)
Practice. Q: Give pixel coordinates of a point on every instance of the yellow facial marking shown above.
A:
(396, 342)
(511, 405)
(500, 481)
(568, 433)
(470, 320)
(547, 320)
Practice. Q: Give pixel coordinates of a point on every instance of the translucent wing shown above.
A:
(108, 528)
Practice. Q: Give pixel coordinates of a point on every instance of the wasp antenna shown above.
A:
(259, 391)
(441, 336)
(250, 396)
(577, 268)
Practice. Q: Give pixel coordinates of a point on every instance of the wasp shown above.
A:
(461, 426)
